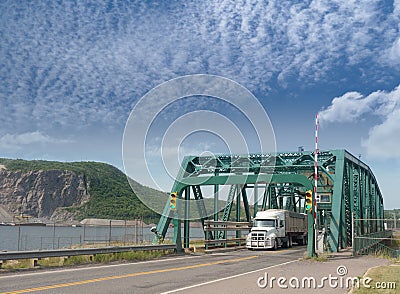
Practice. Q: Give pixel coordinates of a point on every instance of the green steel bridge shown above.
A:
(252, 182)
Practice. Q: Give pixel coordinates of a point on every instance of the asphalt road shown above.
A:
(156, 276)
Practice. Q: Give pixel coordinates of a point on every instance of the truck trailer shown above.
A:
(273, 228)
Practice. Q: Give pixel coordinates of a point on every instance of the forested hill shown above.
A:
(66, 191)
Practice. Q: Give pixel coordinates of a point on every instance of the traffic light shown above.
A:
(172, 201)
(309, 200)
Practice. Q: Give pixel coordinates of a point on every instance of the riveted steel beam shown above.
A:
(346, 185)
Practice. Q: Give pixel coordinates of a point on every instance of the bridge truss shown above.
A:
(255, 182)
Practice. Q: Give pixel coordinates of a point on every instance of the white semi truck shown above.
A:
(277, 227)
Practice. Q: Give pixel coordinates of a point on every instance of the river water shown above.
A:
(14, 238)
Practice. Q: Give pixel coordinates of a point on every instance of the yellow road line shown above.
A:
(55, 286)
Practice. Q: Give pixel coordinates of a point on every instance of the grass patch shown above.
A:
(322, 257)
(77, 260)
(383, 254)
(384, 279)
(128, 256)
(199, 242)
(16, 264)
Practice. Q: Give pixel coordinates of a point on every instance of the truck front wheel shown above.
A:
(275, 245)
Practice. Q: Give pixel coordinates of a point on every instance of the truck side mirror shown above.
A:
(282, 225)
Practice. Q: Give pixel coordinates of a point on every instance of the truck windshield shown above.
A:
(264, 223)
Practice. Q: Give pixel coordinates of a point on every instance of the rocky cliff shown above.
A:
(42, 193)
(72, 191)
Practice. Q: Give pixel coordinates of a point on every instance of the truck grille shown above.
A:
(258, 240)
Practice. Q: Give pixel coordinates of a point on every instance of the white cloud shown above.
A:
(393, 53)
(383, 139)
(87, 63)
(346, 108)
(17, 141)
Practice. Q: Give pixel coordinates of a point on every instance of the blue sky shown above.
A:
(72, 71)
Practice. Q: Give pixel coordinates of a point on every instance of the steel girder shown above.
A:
(347, 183)
(355, 191)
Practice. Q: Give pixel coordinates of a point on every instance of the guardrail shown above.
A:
(384, 250)
(223, 227)
(361, 244)
(14, 255)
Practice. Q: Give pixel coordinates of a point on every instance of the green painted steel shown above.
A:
(273, 197)
(246, 204)
(186, 223)
(238, 197)
(201, 208)
(231, 196)
(355, 189)
(255, 200)
(216, 199)
(364, 243)
(345, 185)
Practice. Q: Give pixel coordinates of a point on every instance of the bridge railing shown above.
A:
(38, 254)
(362, 244)
(383, 250)
(222, 228)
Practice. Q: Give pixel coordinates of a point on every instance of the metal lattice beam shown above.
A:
(346, 185)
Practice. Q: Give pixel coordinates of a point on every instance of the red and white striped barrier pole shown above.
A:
(316, 180)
